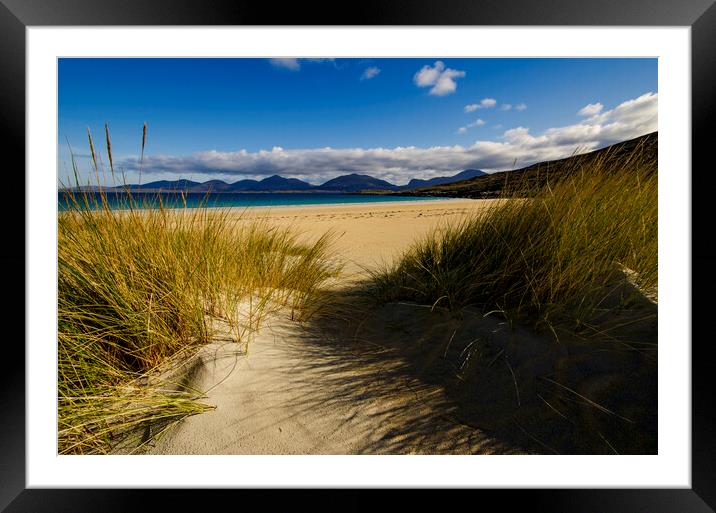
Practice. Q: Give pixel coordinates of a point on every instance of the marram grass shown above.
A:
(548, 257)
(137, 287)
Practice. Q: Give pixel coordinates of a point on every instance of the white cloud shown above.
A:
(590, 109)
(630, 119)
(291, 64)
(631, 111)
(477, 122)
(441, 79)
(485, 103)
(428, 75)
(446, 83)
(506, 106)
(520, 106)
(370, 72)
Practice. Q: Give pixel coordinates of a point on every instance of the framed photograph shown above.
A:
(421, 247)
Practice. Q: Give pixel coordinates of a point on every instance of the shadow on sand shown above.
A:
(480, 385)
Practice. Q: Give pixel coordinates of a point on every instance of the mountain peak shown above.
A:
(355, 183)
(442, 180)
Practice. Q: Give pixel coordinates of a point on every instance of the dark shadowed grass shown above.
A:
(141, 288)
(550, 257)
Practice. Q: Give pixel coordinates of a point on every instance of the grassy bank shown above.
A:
(550, 257)
(140, 289)
(540, 318)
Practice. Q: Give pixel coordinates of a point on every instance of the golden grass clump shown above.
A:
(137, 287)
(140, 288)
(550, 256)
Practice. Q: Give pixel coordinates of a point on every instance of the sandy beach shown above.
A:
(367, 234)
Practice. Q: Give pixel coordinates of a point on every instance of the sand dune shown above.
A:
(295, 393)
(299, 391)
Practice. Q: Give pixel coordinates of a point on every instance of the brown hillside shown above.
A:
(522, 180)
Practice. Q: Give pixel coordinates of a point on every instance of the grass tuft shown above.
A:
(550, 255)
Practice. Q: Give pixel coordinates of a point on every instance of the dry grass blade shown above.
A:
(109, 148)
(91, 145)
(144, 142)
(589, 401)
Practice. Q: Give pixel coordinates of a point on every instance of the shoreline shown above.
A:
(421, 203)
(419, 199)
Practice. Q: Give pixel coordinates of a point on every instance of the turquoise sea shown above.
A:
(121, 200)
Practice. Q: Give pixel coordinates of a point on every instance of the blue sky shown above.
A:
(392, 118)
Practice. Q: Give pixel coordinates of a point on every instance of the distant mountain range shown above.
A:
(344, 184)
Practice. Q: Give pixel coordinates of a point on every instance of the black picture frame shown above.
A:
(16, 15)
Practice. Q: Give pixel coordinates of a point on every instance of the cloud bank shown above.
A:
(398, 165)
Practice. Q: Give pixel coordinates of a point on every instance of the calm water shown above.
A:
(120, 200)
